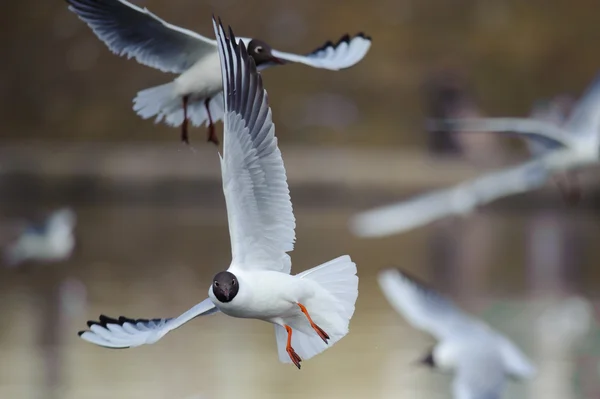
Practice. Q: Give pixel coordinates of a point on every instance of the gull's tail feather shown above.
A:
(162, 102)
(157, 101)
(331, 308)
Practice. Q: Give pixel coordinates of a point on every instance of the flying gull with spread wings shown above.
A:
(310, 310)
(196, 94)
(562, 148)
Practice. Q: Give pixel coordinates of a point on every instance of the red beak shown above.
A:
(277, 60)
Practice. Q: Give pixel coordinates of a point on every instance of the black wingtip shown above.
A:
(123, 320)
(344, 39)
(80, 333)
(221, 24)
(92, 323)
(364, 36)
(232, 35)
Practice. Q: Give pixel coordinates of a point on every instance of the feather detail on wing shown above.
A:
(259, 209)
(347, 52)
(137, 33)
(128, 333)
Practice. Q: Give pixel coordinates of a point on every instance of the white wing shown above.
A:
(129, 333)
(259, 209)
(458, 200)
(424, 308)
(549, 112)
(344, 54)
(480, 375)
(515, 362)
(133, 31)
(528, 128)
(585, 117)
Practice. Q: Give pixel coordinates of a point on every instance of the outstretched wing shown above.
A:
(422, 307)
(530, 129)
(128, 333)
(259, 209)
(347, 52)
(585, 118)
(133, 31)
(515, 362)
(458, 200)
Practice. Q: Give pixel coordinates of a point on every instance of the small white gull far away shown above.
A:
(50, 241)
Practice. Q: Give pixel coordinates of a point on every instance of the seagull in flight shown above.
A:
(558, 150)
(49, 241)
(479, 357)
(310, 310)
(196, 94)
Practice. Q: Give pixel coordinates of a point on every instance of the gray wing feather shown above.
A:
(347, 52)
(458, 200)
(423, 307)
(137, 33)
(259, 209)
(128, 333)
(546, 133)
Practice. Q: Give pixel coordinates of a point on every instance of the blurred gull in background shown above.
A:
(311, 310)
(448, 95)
(196, 94)
(480, 357)
(49, 241)
(561, 148)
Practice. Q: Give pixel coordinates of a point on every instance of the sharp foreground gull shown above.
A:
(310, 310)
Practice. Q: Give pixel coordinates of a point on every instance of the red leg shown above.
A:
(184, 125)
(315, 327)
(290, 351)
(212, 136)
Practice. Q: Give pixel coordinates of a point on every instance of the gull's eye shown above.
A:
(258, 49)
(216, 283)
(232, 282)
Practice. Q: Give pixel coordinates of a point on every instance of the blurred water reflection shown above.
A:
(156, 260)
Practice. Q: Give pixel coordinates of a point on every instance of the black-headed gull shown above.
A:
(309, 310)
(560, 150)
(480, 357)
(196, 93)
(49, 241)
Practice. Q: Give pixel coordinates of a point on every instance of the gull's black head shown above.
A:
(225, 286)
(428, 360)
(262, 52)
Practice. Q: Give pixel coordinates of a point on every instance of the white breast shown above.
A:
(203, 79)
(265, 295)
